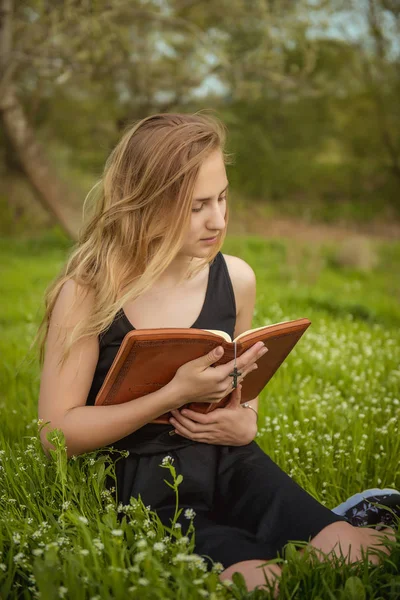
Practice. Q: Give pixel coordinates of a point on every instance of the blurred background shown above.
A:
(309, 91)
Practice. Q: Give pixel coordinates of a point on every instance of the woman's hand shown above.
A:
(198, 381)
(229, 426)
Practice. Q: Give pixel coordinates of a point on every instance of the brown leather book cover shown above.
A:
(149, 358)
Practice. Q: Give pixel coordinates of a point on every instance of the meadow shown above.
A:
(329, 418)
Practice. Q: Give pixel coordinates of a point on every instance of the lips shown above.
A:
(210, 238)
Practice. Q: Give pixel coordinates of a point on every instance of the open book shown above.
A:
(148, 359)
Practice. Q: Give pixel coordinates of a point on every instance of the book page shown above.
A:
(228, 338)
(223, 334)
(257, 329)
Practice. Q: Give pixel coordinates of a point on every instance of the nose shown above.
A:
(216, 218)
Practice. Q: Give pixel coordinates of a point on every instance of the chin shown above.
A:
(193, 252)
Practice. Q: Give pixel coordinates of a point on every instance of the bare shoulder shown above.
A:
(73, 303)
(240, 271)
(243, 279)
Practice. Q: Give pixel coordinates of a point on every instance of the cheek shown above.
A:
(196, 222)
(195, 229)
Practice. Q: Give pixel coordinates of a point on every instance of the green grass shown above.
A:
(329, 418)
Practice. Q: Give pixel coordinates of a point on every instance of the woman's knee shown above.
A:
(255, 572)
(344, 540)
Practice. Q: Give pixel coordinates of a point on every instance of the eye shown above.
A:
(196, 210)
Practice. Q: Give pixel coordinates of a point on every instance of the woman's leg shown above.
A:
(342, 539)
(254, 574)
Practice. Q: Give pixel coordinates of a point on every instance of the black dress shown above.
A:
(246, 506)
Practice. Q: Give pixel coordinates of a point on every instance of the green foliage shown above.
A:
(312, 118)
(329, 418)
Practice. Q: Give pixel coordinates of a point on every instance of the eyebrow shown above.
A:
(210, 198)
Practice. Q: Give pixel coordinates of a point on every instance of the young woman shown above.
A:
(149, 256)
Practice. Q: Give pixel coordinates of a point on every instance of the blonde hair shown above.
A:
(140, 215)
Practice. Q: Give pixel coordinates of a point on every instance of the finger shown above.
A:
(184, 432)
(251, 356)
(241, 377)
(188, 424)
(234, 401)
(205, 419)
(213, 356)
(248, 358)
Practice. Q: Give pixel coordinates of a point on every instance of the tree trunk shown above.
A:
(50, 190)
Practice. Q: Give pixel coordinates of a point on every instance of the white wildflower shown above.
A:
(134, 569)
(151, 534)
(140, 556)
(143, 581)
(180, 558)
(37, 551)
(189, 558)
(19, 557)
(83, 520)
(189, 513)
(62, 591)
(141, 543)
(167, 460)
(117, 532)
(159, 547)
(84, 551)
(184, 540)
(98, 544)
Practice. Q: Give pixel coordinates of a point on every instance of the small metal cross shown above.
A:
(235, 373)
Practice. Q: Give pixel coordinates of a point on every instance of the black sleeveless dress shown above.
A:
(246, 506)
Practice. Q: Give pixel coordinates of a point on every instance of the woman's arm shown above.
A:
(63, 392)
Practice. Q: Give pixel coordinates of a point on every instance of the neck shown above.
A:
(178, 270)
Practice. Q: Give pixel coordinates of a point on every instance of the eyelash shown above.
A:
(196, 210)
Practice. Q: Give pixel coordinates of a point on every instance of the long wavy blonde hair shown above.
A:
(136, 217)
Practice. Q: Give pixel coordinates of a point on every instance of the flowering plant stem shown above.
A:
(176, 481)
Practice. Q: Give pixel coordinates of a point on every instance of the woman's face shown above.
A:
(208, 206)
